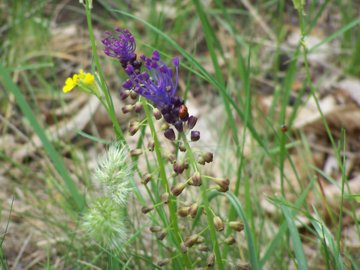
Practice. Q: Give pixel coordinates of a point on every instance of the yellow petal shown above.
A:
(89, 78)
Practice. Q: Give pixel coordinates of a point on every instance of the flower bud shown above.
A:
(155, 229)
(203, 248)
(135, 152)
(193, 210)
(133, 95)
(179, 126)
(208, 157)
(151, 145)
(164, 262)
(222, 183)
(171, 158)
(210, 261)
(192, 122)
(178, 188)
(195, 180)
(124, 94)
(169, 134)
(195, 135)
(229, 240)
(138, 107)
(162, 234)
(201, 161)
(191, 240)
(165, 197)
(127, 108)
(146, 178)
(179, 167)
(182, 148)
(134, 127)
(157, 114)
(236, 225)
(183, 211)
(219, 224)
(147, 209)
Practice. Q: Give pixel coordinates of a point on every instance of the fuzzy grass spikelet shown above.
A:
(114, 172)
(105, 223)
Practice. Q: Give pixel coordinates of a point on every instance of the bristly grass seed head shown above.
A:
(114, 172)
(105, 223)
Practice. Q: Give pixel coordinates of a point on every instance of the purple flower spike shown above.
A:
(159, 85)
(121, 47)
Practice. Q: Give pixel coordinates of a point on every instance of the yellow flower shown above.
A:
(72, 82)
(88, 79)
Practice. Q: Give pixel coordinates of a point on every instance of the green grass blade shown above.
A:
(295, 237)
(49, 148)
(339, 32)
(254, 260)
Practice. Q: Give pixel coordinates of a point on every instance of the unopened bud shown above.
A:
(182, 148)
(146, 178)
(195, 135)
(171, 158)
(230, 240)
(147, 209)
(192, 122)
(193, 210)
(127, 108)
(155, 229)
(124, 94)
(169, 134)
(208, 157)
(178, 188)
(222, 183)
(165, 197)
(219, 224)
(151, 145)
(201, 161)
(191, 240)
(203, 248)
(134, 95)
(236, 225)
(210, 261)
(138, 107)
(164, 262)
(134, 127)
(157, 114)
(200, 240)
(162, 234)
(183, 211)
(195, 180)
(135, 152)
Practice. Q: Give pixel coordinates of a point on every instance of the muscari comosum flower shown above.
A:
(159, 84)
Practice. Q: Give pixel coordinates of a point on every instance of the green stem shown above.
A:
(175, 232)
(209, 213)
(105, 90)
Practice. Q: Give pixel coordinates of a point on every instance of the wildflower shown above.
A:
(114, 173)
(157, 84)
(86, 82)
(105, 223)
(121, 46)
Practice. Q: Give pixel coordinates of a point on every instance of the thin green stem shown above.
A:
(175, 232)
(209, 213)
(105, 90)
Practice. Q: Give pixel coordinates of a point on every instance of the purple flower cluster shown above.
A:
(158, 83)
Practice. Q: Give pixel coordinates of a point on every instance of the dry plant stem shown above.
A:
(209, 212)
(174, 232)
